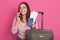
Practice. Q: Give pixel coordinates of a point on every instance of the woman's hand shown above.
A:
(18, 18)
(17, 22)
(33, 25)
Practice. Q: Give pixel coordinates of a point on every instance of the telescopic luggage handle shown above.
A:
(42, 13)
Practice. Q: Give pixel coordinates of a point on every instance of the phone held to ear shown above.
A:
(19, 15)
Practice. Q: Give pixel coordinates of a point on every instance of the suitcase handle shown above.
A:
(42, 13)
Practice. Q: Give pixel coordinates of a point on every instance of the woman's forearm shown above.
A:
(14, 28)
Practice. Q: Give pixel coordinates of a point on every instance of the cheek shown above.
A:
(20, 10)
(25, 10)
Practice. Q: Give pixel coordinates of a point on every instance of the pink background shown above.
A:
(8, 9)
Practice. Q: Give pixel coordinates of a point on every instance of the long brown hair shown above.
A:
(28, 11)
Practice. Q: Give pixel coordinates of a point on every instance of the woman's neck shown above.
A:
(24, 18)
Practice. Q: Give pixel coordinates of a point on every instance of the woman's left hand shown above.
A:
(33, 25)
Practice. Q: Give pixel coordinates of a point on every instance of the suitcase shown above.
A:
(39, 34)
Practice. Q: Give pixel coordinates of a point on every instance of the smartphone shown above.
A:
(19, 15)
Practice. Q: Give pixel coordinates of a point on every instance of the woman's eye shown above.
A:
(24, 7)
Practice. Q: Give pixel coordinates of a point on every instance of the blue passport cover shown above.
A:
(30, 21)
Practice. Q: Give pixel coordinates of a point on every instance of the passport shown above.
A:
(30, 21)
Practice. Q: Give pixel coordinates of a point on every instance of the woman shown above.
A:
(20, 21)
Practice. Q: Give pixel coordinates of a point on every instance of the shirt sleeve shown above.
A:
(14, 29)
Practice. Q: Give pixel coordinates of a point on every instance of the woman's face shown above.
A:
(23, 9)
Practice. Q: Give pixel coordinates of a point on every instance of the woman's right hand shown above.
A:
(18, 18)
